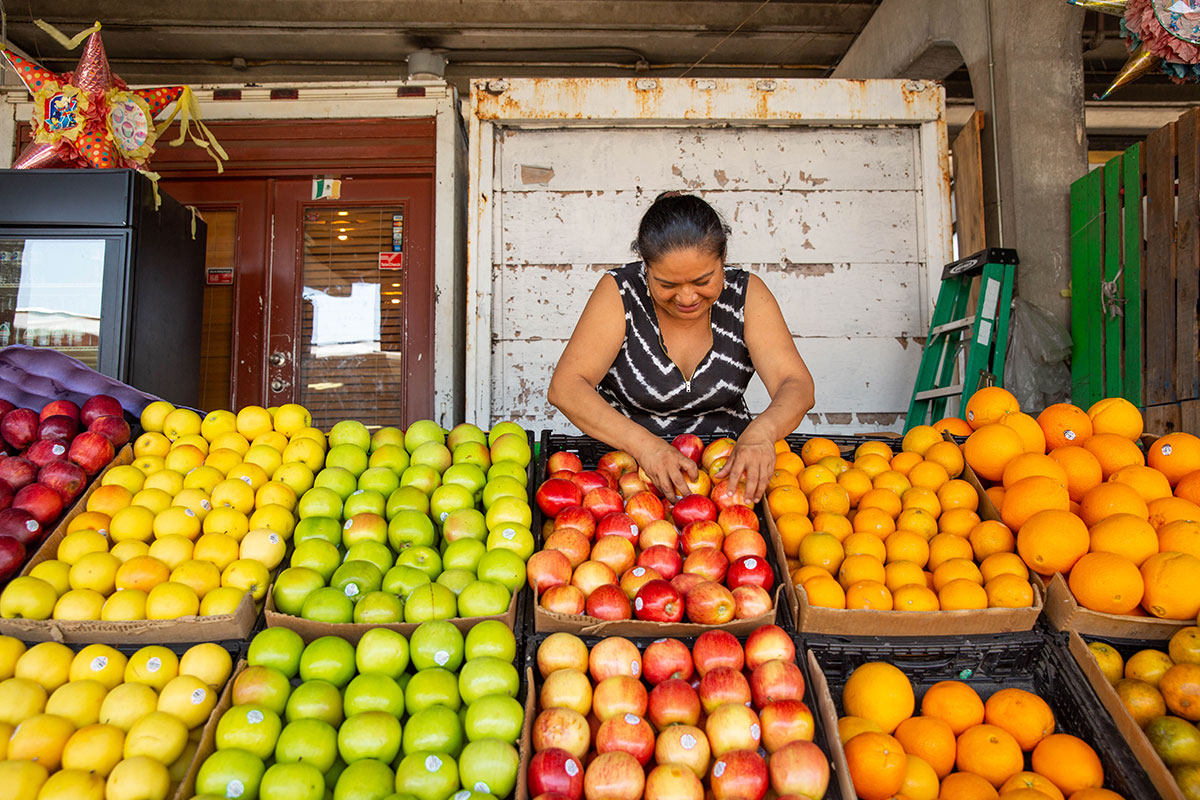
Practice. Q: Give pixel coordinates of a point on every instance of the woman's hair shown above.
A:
(679, 221)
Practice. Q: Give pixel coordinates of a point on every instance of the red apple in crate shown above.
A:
(547, 568)
(614, 655)
(617, 462)
(617, 695)
(658, 601)
(725, 496)
(618, 523)
(630, 484)
(5, 406)
(673, 702)
(68, 479)
(115, 429)
(633, 579)
(19, 427)
(644, 508)
(571, 543)
(6, 495)
(18, 472)
(58, 407)
(714, 649)
(739, 775)
(576, 517)
(751, 601)
(694, 508)
(43, 451)
(561, 728)
(562, 475)
(561, 651)
(590, 574)
(21, 525)
(723, 685)
(799, 768)
(734, 517)
(59, 427)
(603, 501)
(591, 479)
(690, 445)
(662, 559)
(100, 405)
(673, 782)
(91, 451)
(614, 776)
(684, 583)
(744, 542)
(774, 681)
(650, 487)
(700, 534)
(720, 448)
(627, 733)
(699, 485)
(614, 551)
(564, 459)
(769, 643)
(563, 600)
(750, 571)
(12, 556)
(784, 722)
(560, 796)
(707, 562)
(661, 532)
(555, 770)
(608, 602)
(42, 502)
(666, 659)
(732, 726)
(556, 494)
(686, 745)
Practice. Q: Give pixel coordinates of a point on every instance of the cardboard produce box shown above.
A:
(1065, 614)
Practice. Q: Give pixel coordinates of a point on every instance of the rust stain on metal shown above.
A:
(883, 418)
(540, 175)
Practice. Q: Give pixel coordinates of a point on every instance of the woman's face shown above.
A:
(685, 283)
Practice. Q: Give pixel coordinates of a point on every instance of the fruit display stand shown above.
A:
(1031, 660)
(1065, 614)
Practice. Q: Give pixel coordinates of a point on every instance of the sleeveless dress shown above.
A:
(646, 386)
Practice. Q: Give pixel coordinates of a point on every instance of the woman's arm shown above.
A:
(788, 381)
(589, 354)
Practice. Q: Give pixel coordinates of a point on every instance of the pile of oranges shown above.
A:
(956, 745)
(1083, 500)
(892, 531)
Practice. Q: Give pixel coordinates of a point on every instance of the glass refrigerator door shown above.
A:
(52, 290)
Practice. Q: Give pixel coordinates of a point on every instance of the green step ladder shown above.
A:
(985, 345)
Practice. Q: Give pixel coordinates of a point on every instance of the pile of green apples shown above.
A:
(411, 526)
(429, 717)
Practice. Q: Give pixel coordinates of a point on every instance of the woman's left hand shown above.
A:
(752, 461)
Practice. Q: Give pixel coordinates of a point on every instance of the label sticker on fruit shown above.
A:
(254, 716)
(635, 666)
(1069, 435)
(718, 769)
(187, 512)
(751, 563)
(637, 603)
(508, 533)
(351, 589)
(273, 538)
(441, 657)
(207, 506)
(433, 764)
(633, 530)
(480, 786)
(631, 719)
(658, 641)
(58, 449)
(688, 741)
(443, 516)
(31, 525)
(755, 731)
(99, 663)
(349, 524)
(357, 492)
(199, 696)
(234, 788)
(571, 767)
(154, 664)
(463, 795)
(1166, 449)
(246, 478)
(639, 572)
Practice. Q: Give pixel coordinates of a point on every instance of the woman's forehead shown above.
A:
(683, 265)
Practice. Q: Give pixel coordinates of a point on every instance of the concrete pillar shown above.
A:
(1036, 69)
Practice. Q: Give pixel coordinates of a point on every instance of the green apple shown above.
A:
(494, 715)
(363, 501)
(513, 537)
(422, 431)
(449, 497)
(356, 578)
(506, 510)
(483, 599)
(337, 479)
(427, 776)
(261, 685)
(487, 675)
(349, 457)
(422, 476)
(501, 428)
(502, 486)
(230, 773)
(319, 502)
(307, 741)
(456, 579)
(384, 651)
(475, 454)
(425, 559)
(432, 454)
(329, 658)
(349, 431)
(328, 604)
(465, 432)
(280, 648)
(503, 567)
(469, 476)
(387, 437)
(406, 498)
(379, 479)
(431, 687)
(292, 782)
(364, 780)
(410, 528)
(374, 551)
(378, 608)
(365, 526)
(401, 580)
(463, 554)
(373, 691)
(250, 727)
(369, 734)
(489, 765)
(490, 638)
(436, 729)
(315, 699)
(335, 773)
(429, 602)
(508, 469)
(466, 523)
(389, 456)
(466, 795)
(509, 447)
(328, 529)
(436, 644)
(317, 555)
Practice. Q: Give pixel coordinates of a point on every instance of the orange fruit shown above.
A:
(835, 464)
(916, 520)
(989, 405)
(1064, 424)
(920, 781)
(890, 479)
(1146, 481)
(857, 544)
(877, 765)
(946, 546)
(955, 569)
(824, 591)
(962, 594)
(1082, 468)
(1182, 536)
(1030, 495)
(856, 483)
(966, 786)
(821, 550)
(1184, 647)
(955, 426)
(874, 447)
(1023, 714)
(884, 499)
(990, 752)
(874, 521)
(782, 446)
(1175, 455)
(1148, 666)
(995, 495)
(1180, 688)
(1126, 535)
(1096, 794)
(1030, 781)
(1003, 564)
(1028, 465)
(860, 567)
(1069, 762)
(930, 739)
(1114, 452)
(958, 521)
(990, 537)
(1141, 700)
(989, 449)
(836, 524)
(109, 499)
(849, 727)
(781, 478)
(1033, 440)
(792, 528)
(920, 438)
(880, 692)
(1052, 541)
(914, 597)
(903, 462)
(907, 546)
(919, 498)
(789, 462)
(1106, 582)
(955, 703)
(1172, 585)
(1008, 591)
(786, 499)
(817, 448)
(949, 455)
(1111, 664)
(958, 493)
(829, 497)
(803, 574)
(903, 573)
(869, 594)
(1171, 509)
(929, 475)
(873, 464)
(1116, 415)
(1111, 498)
(1188, 487)
(89, 520)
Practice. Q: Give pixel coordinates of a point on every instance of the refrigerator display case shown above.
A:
(92, 266)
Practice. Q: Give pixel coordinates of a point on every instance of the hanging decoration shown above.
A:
(90, 118)
(1162, 36)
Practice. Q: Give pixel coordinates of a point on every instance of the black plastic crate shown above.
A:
(1031, 660)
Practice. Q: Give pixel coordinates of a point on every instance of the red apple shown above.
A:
(618, 523)
(555, 770)
(784, 722)
(614, 775)
(723, 685)
(644, 508)
(6, 406)
(714, 649)
(563, 728)
(43, 451)
(602, 501)
(564, 459)
(673, 702)
(739, 775)
(41, 501)
(683, 744)
(547, 568)
(707, 562)
(699, 485)
(18, 472)
(19, 427)
(694, 508)
(100, 405)
(732, 726)
(666, 659)
(20, 525)
(614, 655)
(556, 796)
(673, 782)
(91, 451)
(608, 602)
(769, 643)
(614, 551)
(617, 462)
(632, 580)
(658, 601)
(751, 601)
(6, 495)
(59, 407)
(710, 603)
(702, 533)
(662, 559)
(734, 517)
(617, 695)
(744, 542)
(556, 494)
(662, 532)
(115, 429)
(563, 600)
(630, 484)
(627, 733)
(721, 448)
(562, 474)
(561, 651)
(590, 574)
(589, 480)
(724, 496)
(690, 445)
(576, 517)
(571, 543)
(12, 556)
(59, 427)
(776, 680)
(68, 479)
(750, 571)
(799, 768)
(685, 582)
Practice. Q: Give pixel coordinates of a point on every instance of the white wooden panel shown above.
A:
(796, 227)
(762, 159)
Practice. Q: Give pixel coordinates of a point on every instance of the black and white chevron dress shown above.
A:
(646, 386)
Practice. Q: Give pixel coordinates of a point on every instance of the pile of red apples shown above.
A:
(615, 549)
(672, 723)
(47, 460)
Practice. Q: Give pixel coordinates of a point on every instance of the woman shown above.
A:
(667, 345)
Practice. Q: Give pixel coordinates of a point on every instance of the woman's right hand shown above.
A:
(667, 468)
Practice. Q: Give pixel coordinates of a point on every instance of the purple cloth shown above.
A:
(30, 377)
